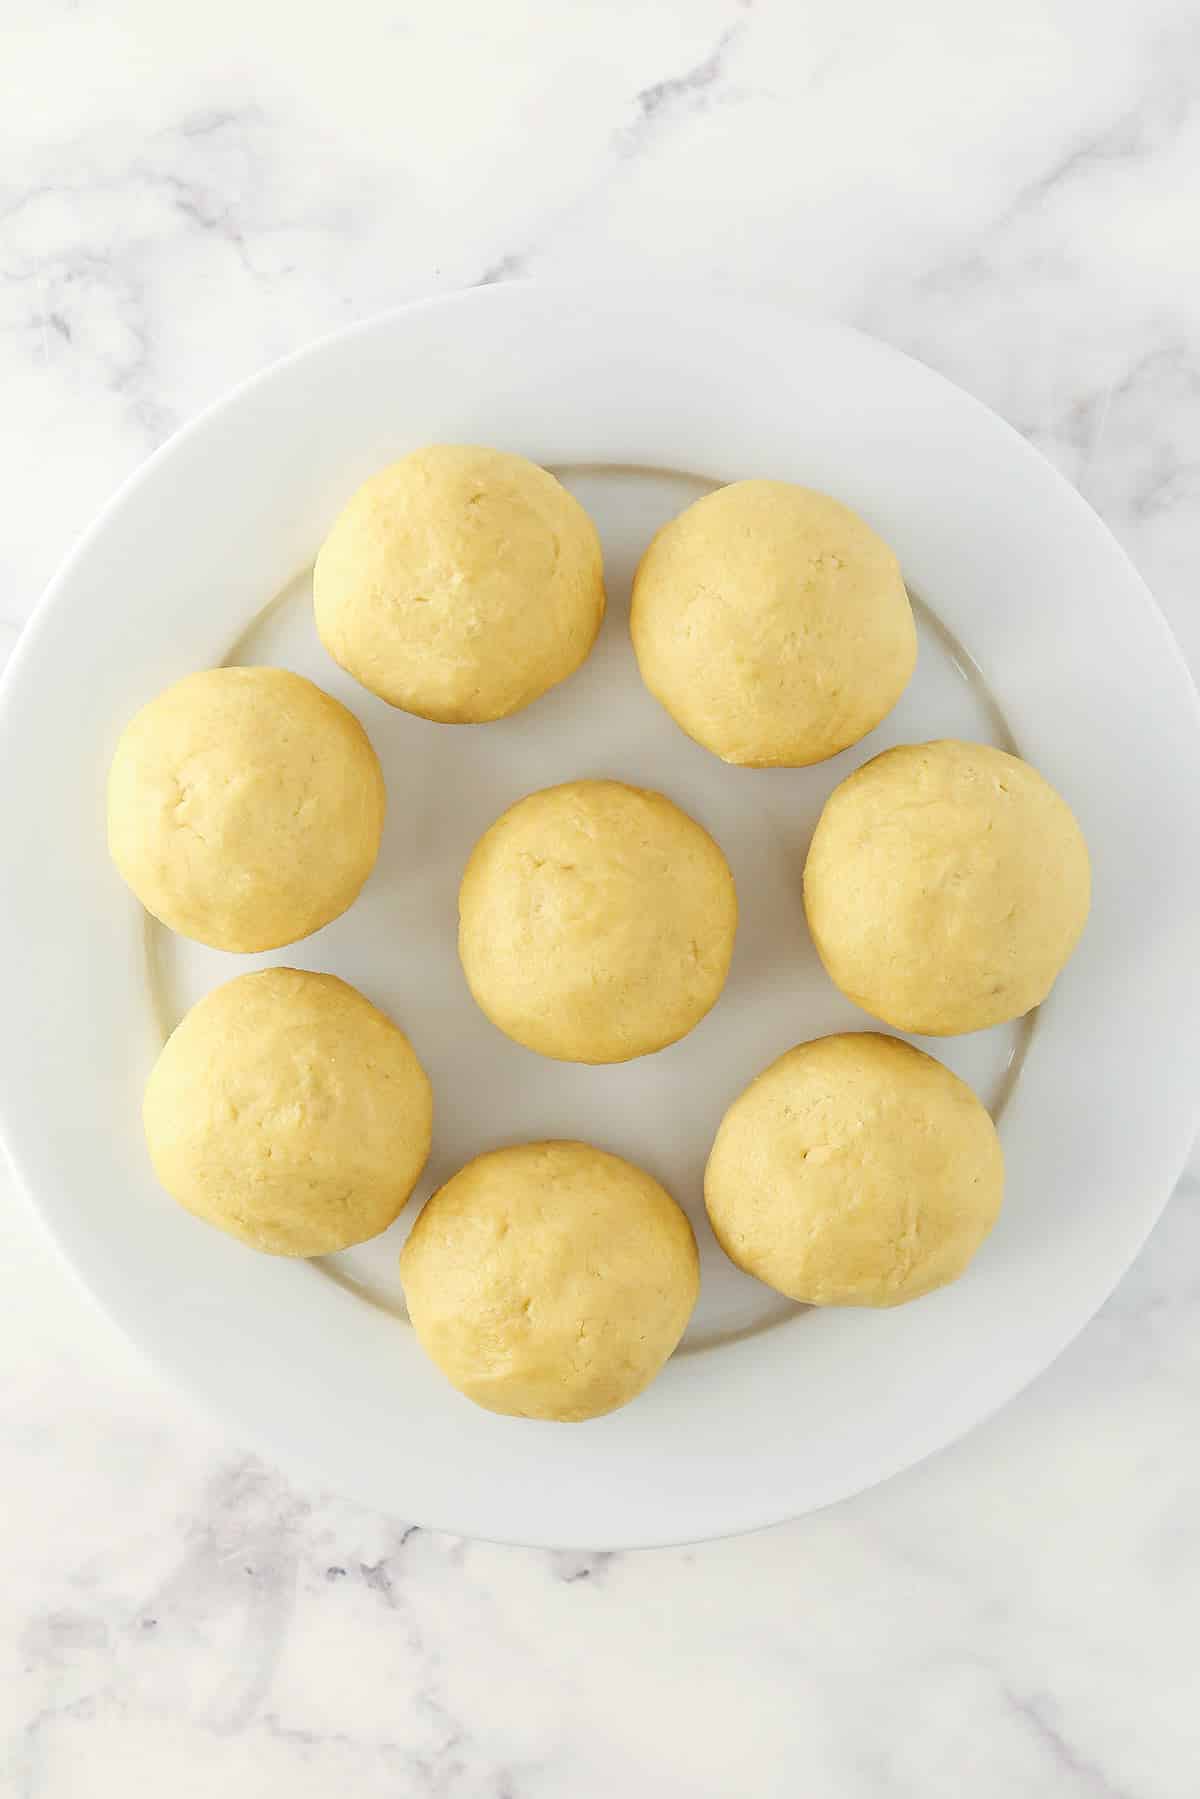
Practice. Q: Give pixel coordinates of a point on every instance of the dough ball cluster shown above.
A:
(773, 624)
(245, 807)
(289, 1111)
(460, 584)
(550, 1280)
(596, 922)
(945, 887)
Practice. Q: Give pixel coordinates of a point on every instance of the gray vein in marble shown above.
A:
(67, 284)
(1159, 389)
(1163, 107)
(240, 1561)
(658, 107)
(680, 95)
(592, 1566)
(25, 1759)
(1137, 133)
(505, 268)
(1086, 1775)
(214, 175)
(1164, 104)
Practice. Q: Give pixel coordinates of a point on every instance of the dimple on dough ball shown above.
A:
(245, 807)
(551, 1280)
(946, 885)
(460, 584)
(773, 624)
(854, 1171)
(289, 1111)
(596, 922)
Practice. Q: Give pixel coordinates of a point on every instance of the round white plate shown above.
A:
(1035, 631)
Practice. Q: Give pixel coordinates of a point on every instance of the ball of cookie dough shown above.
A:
(245, 807)
(550, 1280)
(460, 584)
(946, 885)
(773, 624)
(289, 1111)
(596, 922)
(854, 1171)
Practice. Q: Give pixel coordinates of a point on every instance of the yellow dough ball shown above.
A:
(460, 584)
(289, 1111)
(596, 922)
(550, 1280)
(773, 624)
(245, 807)
(854, 1171)
(946, 886)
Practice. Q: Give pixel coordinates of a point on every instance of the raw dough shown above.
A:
(596, 922)
(773, 624)
(550, 1280)
(946, 885)
(855, 1171)
(460, 584)
(245, 807)
(289, 1111)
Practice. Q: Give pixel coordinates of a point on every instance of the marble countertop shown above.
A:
(1010, 194)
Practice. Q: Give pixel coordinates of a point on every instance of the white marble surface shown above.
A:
(1011, 193)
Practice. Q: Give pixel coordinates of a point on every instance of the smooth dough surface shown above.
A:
(946, 886)
(596, 922)
(245, 807)
(854, 1171)
(551, 1280)
(773, 624)
(289, 1111)
(460, 584)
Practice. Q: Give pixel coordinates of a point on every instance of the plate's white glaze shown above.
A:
(769, 1411)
